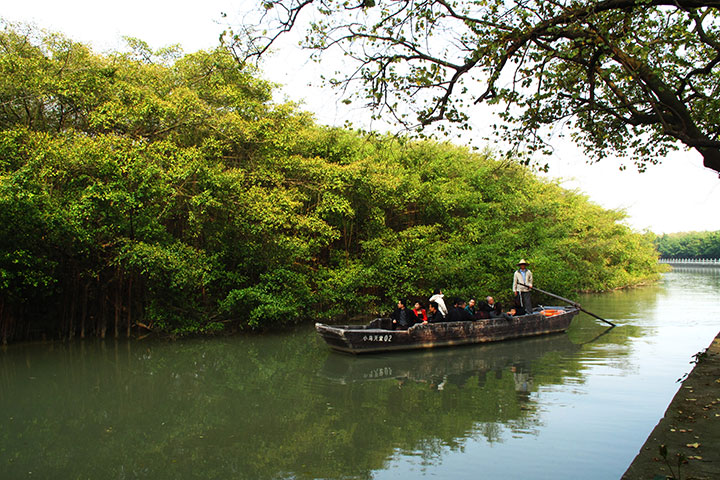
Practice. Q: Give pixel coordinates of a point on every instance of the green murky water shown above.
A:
(575, 405)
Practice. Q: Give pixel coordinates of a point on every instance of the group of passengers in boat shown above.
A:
(404, 317)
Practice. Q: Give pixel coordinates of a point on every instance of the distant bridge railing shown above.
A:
(692, 262)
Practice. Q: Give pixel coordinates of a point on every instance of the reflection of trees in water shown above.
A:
(496, 381)
(261, 407)
(492, 431)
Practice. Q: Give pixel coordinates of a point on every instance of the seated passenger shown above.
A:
(434, 315)
(493, 310)
(458, 313)
(403, 318)
(420, 313)
(470, 307)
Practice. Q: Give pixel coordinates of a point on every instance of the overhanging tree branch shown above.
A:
(648, 64)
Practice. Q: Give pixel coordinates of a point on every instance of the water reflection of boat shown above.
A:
(448, 365)
(377, 336)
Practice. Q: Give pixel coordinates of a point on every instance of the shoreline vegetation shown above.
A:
(166, 192)
(698, 245)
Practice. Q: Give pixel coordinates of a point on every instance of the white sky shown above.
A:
(677, 195)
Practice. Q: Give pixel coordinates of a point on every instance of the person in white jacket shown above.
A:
(522, 285)
(438, 298)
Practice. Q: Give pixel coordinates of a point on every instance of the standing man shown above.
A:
(523, 276)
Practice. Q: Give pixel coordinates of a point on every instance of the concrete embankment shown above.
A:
(690, 429)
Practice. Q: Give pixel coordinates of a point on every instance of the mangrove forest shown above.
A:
(157, 191)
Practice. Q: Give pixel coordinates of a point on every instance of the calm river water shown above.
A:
(575, 405)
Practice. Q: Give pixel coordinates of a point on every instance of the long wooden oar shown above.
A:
(568, 301)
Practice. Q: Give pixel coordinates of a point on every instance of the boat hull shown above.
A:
(377, 337)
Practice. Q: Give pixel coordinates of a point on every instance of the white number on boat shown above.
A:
(377, 338)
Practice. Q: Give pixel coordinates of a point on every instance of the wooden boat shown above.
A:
(378, 336)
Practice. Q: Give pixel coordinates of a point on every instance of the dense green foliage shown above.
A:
(689, 245)
(165, 191)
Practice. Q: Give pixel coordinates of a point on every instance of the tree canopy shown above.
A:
(689, 245)
(634, 78)
(154, 190)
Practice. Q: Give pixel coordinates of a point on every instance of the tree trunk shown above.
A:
(83, 315)
(104, 300)
(118, 301)
(3, 328)
(129, 306)
(73, 306)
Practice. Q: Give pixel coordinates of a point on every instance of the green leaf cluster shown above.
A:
(169, 193)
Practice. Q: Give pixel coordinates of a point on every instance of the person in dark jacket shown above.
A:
(434, 314)
(490, 309)
(403, 318)
(458, 313)
(470, 307)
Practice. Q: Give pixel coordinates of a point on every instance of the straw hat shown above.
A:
(522, 262)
